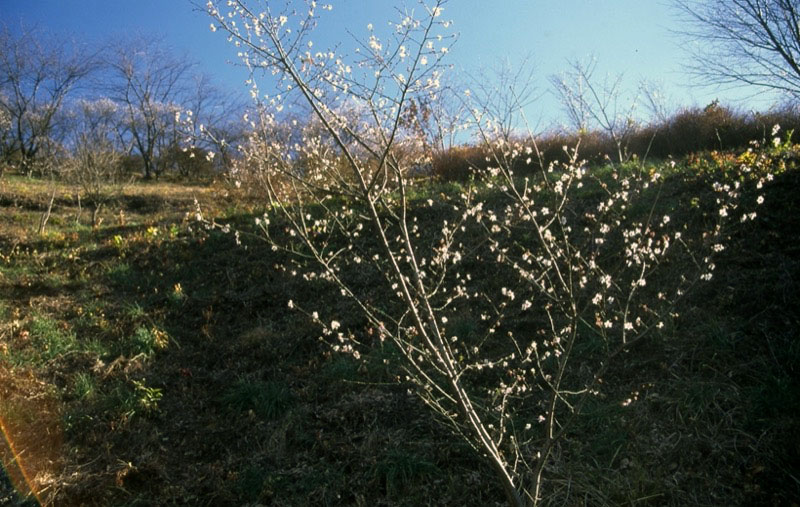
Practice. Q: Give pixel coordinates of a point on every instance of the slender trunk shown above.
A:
(422, 314)
(46, 215)
(80, 210)
(95, 212)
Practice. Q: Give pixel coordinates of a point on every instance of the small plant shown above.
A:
(120, 244)
(147, 341)
(176, 295)
(269, 400)
(341, 368)
(125, 276)
(151, 234)
(147, 398)
(134, 311)
(84, 386)
(128, 401)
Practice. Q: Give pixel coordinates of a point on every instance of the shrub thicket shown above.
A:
(688, 131)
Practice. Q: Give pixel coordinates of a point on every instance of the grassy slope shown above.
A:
(165, 360)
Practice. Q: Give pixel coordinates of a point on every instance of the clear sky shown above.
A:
(630, 37)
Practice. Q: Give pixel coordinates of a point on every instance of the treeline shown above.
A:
(117, 109)
(134, 106)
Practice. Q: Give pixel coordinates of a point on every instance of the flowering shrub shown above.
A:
(575, 256)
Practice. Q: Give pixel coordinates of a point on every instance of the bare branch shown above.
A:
(744, 42)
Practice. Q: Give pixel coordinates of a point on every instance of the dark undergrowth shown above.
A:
(163, 365)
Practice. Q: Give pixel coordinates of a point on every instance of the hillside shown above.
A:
(153, 361)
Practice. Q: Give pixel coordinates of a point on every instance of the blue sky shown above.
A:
(629, 37)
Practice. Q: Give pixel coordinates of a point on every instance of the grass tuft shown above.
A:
(269, 400)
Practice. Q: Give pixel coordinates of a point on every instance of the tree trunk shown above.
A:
(95, 212)
(46, 215)
(80, 210)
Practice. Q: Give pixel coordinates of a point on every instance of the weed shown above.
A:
(269, 400)
(340, 368)
(605, 423)
(120, 244)
(176, 295)
(147, 398)
(84, 386)
(134, 311)
(126, 402)
(147, 341)
(777, 395)
(152, 234)
(382, 363)
(121, 401)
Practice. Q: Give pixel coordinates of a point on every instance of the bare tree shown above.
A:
(656, 101)
(5, 137)
(148, 81)
(745, 42)
(215, 129)
(508, 89)
(592, 105)
(95, 164)
(37, 72)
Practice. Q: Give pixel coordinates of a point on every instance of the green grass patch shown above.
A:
(125, 277)
(52, 338)
(128, 400)
(146, 341)
(84, 386)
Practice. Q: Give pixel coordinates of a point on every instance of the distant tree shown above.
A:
(753, 42)
(36, 75)
(508, 89)
(149, 82)
(5, 137)
(215, 129)
(590, 104)
(95, 164)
